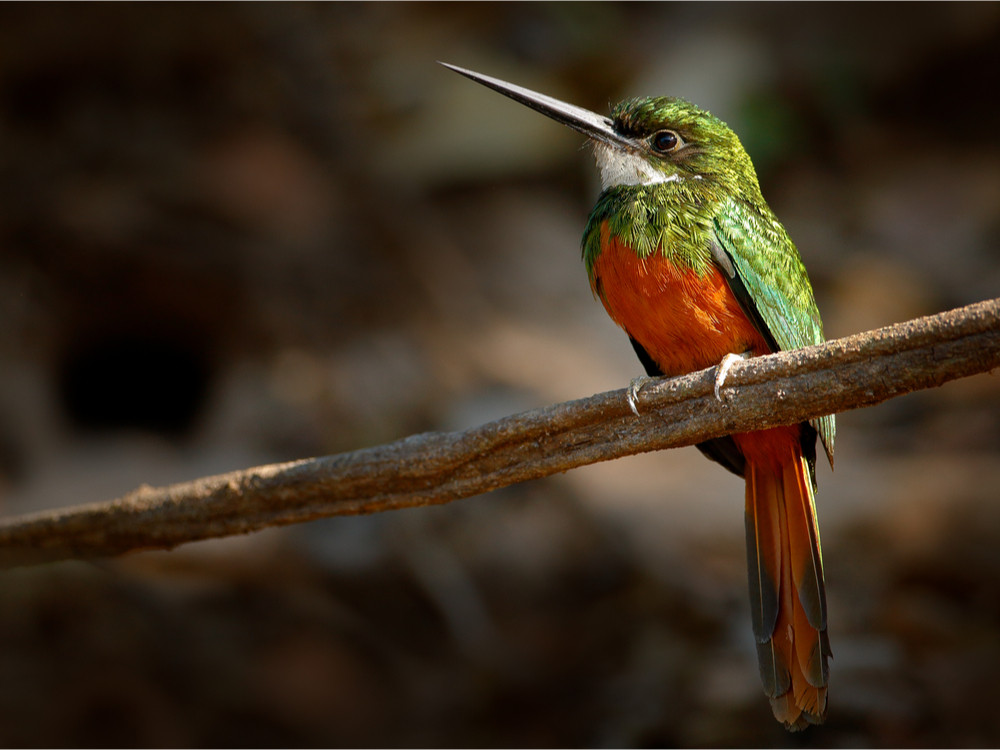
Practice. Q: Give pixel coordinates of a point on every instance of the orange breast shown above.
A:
(685, 321)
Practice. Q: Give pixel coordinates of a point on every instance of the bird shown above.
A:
(690, 261)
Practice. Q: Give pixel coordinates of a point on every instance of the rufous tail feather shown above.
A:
(787, 595)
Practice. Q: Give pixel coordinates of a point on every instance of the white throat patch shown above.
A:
(625, 168)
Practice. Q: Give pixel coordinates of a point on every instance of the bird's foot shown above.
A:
(632, 393)
(723, 370)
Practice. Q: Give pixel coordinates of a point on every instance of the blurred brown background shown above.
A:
(238, 234)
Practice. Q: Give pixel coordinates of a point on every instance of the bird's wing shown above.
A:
(766, 274)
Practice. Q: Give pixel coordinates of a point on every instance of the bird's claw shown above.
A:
(723, 370)
(632, 393)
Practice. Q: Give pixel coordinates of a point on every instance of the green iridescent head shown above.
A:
(648, 141)
(668, 140)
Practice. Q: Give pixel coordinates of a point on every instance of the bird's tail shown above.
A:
(787, 594)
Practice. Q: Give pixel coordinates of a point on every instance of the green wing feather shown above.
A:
(770, 268)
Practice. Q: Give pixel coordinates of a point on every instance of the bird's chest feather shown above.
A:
(684, 319)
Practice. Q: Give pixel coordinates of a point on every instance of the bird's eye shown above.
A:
(666, 141)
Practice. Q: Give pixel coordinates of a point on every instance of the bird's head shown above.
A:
(647, 141)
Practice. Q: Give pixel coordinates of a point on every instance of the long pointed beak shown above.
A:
(583, 120)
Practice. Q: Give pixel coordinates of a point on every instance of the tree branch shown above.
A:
(783, 388)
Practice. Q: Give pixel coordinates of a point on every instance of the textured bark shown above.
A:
(783, 388)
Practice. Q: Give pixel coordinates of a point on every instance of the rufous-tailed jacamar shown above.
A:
(689, 260)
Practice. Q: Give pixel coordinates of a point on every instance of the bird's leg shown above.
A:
(723, 370)
(632, 394)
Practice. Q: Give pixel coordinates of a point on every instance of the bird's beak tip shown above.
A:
(589, 123)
